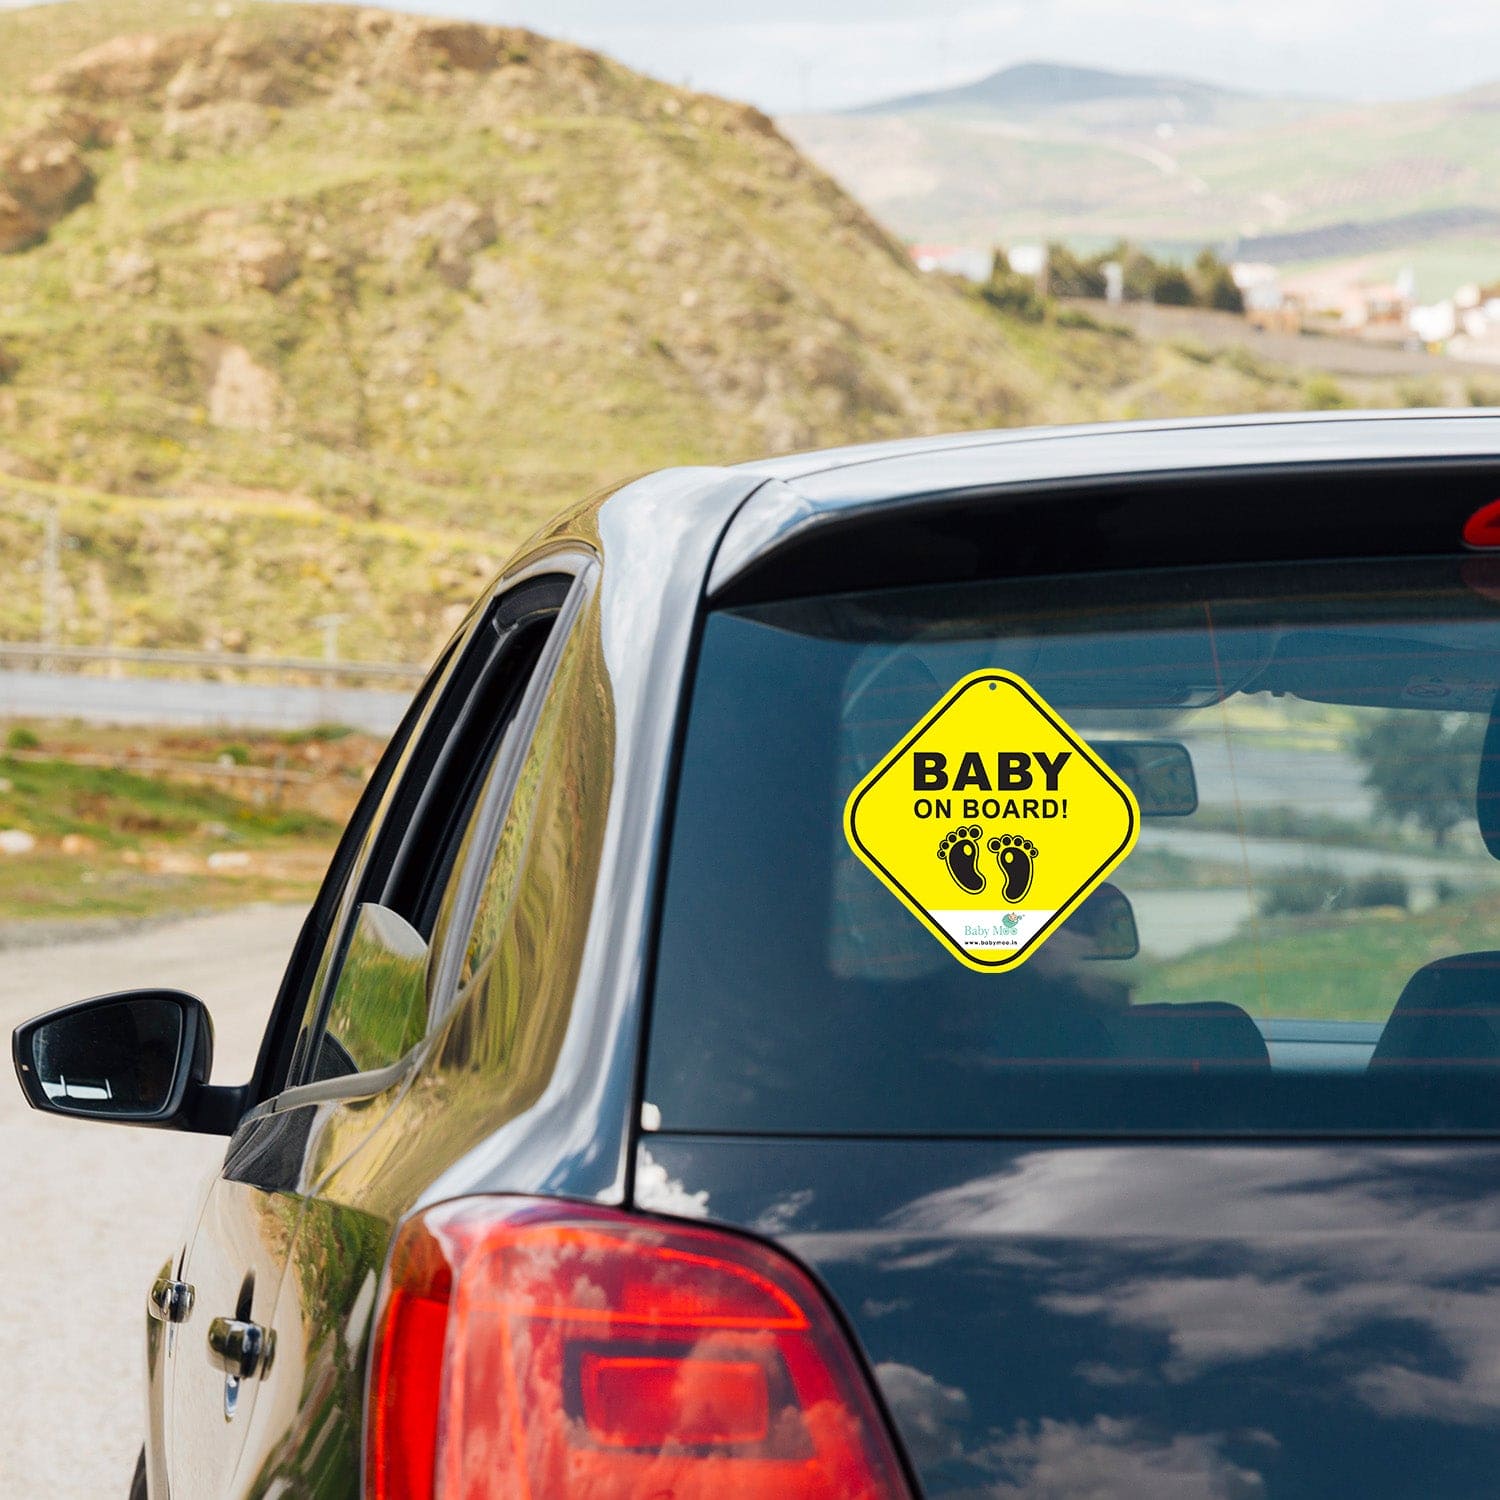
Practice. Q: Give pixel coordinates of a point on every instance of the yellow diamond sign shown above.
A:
(992, 820)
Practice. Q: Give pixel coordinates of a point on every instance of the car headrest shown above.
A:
(1487, 792)
(1201, 1032)
(1449, 1010)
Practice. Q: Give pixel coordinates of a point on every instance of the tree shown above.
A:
(1069, 275)
(1139, 269)
(1145, 279)
(1213, 284)
(1423, 768)
(1171, 288)
(1010, 292)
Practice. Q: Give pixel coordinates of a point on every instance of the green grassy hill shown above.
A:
(308, 309)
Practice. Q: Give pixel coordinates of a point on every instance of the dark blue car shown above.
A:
(640, 1117)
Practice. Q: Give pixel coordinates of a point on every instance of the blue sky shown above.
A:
(818, 54)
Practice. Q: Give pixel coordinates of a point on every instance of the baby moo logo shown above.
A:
(992, 820)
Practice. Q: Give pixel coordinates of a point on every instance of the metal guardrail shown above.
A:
(162, 765)
(223, 661)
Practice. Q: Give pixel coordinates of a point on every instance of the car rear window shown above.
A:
(1317, 933)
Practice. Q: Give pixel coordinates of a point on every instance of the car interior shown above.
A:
(1448, 1010)
(1307, 918)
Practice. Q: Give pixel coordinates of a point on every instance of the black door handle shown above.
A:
(242, 1350)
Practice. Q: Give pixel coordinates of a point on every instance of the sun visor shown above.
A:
(1366, 669)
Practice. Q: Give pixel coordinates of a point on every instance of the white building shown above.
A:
(1259, 284)
(1027, 260)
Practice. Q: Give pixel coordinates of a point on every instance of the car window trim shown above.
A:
(316, 993)
(277, 1052)
(466, 886)
(581, 568)
(508, 622)
(406, 817)
(350, 1086)
(423, 782)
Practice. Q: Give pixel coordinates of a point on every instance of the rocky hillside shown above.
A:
(311, 309)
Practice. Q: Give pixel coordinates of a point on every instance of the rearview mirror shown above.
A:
(137, 1057)
(1158, 772)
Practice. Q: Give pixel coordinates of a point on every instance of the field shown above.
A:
(1338, 966)
(111, 843)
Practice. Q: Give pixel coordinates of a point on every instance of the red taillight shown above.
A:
(1482, 529)
(634, 1401)
(547, 1351)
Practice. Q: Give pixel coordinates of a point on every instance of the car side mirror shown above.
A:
(140, 1057)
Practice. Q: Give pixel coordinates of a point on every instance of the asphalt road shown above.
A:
(93, 1210)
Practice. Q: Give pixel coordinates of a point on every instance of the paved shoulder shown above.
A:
(93, 1210)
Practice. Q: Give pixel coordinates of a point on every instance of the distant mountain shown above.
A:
(1039, 87)
(1048, 151)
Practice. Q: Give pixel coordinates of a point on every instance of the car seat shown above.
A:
(1448, 1012)
(1210, 1032)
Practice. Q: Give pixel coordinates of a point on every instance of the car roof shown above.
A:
(1091, 449)
(810, 489)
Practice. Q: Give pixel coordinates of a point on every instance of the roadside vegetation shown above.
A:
(1307, 890)
(214, 822)
(1318, 828)
(1344, 966)
(1144, 277)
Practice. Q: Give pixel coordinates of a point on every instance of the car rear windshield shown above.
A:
(1312, 901)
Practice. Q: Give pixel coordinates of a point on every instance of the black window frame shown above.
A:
(1153, 1106)
(408, 854)
(277, 1057)
(303, 993)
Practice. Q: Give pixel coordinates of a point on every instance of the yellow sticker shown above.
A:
(992, 820)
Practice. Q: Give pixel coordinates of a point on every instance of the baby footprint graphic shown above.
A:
(960, 852)
(1016, 857)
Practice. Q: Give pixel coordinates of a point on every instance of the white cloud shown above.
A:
(664, 1194)
(1064, 1460)
(1333, 1248)
(929, 1413)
